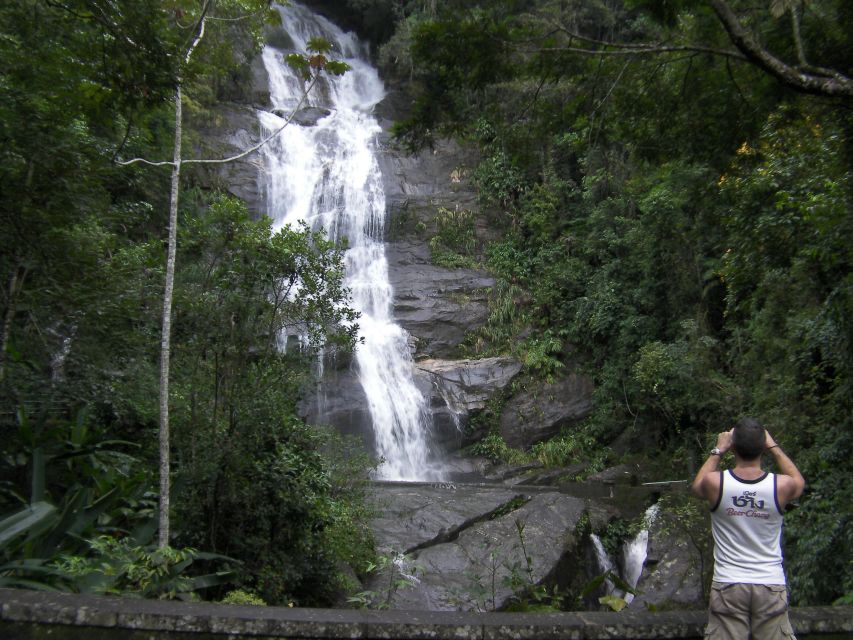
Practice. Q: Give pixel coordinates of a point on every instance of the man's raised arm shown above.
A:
(706, 484)
(790, 482)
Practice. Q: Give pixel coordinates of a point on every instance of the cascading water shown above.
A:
(605, 564)
(328, 176)
(634, 554)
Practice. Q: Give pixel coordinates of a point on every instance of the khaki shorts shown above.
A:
(738, 610)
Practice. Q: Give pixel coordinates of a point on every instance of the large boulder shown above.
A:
(625, 474)
(678, 553)
(306, 117)
(472, 548)
(458, 387)
(411, 516)
(543, 409)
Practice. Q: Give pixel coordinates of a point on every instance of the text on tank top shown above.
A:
(747, 527)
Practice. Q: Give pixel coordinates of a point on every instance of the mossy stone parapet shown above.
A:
(34, 615)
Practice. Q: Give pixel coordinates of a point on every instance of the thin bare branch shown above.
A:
(124, 140)
(239, 18)
(287, 121)
(613, 86)
(798, 39)
(199, 31)
(624, 48)
(651, 50)
(162, 163)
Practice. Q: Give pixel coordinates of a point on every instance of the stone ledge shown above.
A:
(34, 614)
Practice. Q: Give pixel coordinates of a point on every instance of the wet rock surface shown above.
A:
(415, 515)
(477, 546)
(466, 385)
(672, 573)
(339, 400)
(539, 413)
(307, 117)
(234, 129)
(457, 388)
(472, 547)
(437, 306)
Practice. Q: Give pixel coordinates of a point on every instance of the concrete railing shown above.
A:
(33, 615)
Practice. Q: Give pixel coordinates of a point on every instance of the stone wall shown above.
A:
(35, 615)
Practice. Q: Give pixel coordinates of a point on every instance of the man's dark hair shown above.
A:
(748, 438)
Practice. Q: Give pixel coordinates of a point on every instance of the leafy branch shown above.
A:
(803, 77)
(808, 79)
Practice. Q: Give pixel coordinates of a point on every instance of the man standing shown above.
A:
(748, 592)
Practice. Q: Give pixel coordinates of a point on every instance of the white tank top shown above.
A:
(747, 527)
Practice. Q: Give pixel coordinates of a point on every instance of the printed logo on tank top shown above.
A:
(747, 506)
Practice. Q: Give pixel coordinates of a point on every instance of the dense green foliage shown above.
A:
(673, 220)
(84, 83)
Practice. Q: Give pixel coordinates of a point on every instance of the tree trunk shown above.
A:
(15, 283)
(166, 329)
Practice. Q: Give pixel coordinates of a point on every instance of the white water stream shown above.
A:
(634, 554)
(328, 176)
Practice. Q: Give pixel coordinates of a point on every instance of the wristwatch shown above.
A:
(716, 452)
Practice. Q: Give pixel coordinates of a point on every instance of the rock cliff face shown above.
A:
(538, 414)
(457, 389)
(437, 306)
(233, 129)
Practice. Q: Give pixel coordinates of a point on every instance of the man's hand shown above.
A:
(769, 442)
(724, 440)
(706, 484)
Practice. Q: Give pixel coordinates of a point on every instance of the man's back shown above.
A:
(747, 528)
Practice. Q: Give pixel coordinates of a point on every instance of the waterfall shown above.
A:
(634, 551)
(328, 176)
(634, 554)
(605, 564)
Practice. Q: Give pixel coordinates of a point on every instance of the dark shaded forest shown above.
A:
(667, 189)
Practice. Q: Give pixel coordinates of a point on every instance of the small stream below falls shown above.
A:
(327, 175)
(633, 556)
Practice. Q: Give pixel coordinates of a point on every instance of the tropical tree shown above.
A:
(200, 15)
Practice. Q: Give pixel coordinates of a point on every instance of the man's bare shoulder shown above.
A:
(709, 487)
(788, 488)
